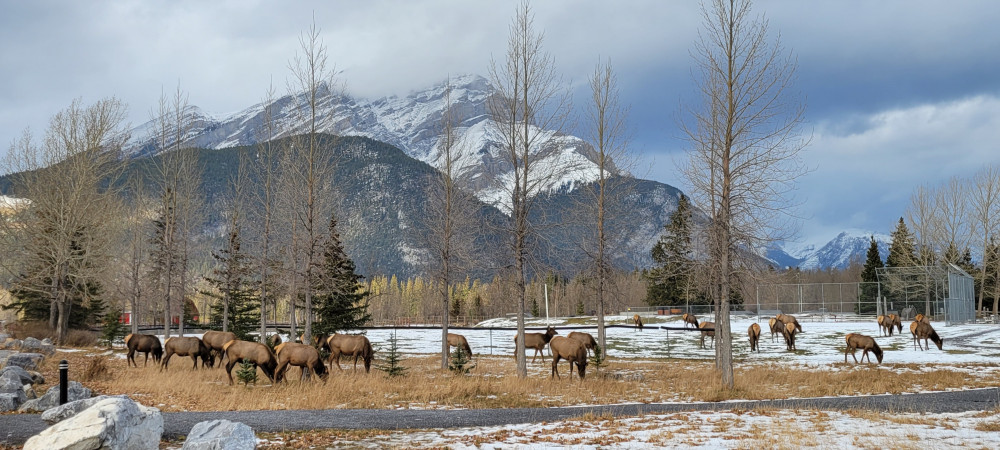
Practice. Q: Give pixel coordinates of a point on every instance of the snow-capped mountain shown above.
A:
(837, 253)
(411, 123)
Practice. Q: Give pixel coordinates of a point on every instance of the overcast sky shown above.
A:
(898, 93)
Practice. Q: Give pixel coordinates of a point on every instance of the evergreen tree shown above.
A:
(669, 281)
(902, 249)
(237, 309)
(340, 297)
(869, 278)
(392, 364)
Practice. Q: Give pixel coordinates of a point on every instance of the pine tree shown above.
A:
(237, 310)
(392, 365)
(902, 249)
(869, 278)
(340, 298)
(668, 282)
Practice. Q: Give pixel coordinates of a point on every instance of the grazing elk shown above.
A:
(457, 340)
(354, 345)
(572, 351)
(215, 340)
(537, 341)
(894, 321)
(883, 325)
(789, 333)
(776, 326)
(301, 355)
(925, 331)
(787, 319)
(187, 346)
(705, 334)
(637, 321)
(754, 333)
(866, 343)
(920, 317)
(143, 343)
(586, 339)
(253, 352)
(689, 319)
(274, 341)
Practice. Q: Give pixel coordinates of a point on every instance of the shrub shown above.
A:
(97, 369)
(459, 362)
(247, 373)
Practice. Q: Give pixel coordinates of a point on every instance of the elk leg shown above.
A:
(555, 368)
(229, 370)
(166, 360)
(279, 373)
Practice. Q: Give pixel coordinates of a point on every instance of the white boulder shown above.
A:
(220, 435)
(113, 423)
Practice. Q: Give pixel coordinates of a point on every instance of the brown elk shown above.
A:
(457, 340)
(787, 319)
(357, 346)
(689, 319)
(187, 346)
(143, 343)
(925, 331)
(789, 333)
(776, 326)
(705, 334)
(637, 321)
(894, 321)
(754, 333)
(215, 340)
(537, 341)
(253, 352)
(300, 355)
(274, 340)
(572, 351)
(866, 343)
(586, 339)
(920, 317)
(883, 325)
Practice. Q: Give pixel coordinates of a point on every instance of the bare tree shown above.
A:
(951, 226)
(263, 200)
(178, 179)
(450, 214)
(135, 251)
(923, 225)
(525, 107)
(984, 203)
(63, 234)
(312, 80)
(746, 150)
(609, 136)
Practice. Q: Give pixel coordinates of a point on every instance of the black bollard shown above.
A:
(63, 382)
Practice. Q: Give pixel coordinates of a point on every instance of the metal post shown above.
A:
(63, 382)
(546, 303)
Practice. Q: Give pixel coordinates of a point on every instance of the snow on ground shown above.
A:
(734, 429)
(820, 343)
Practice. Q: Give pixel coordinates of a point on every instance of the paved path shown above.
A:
(17, 428)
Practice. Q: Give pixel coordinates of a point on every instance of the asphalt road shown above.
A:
(15, 429)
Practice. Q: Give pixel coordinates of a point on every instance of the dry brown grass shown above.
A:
(41, 330)
(494, 384)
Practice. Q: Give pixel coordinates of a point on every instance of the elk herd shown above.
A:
(275, 359)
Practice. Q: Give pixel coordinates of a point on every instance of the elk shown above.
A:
(638, 321)
(866, 343)
(146, 344)
(754, 333)
(789, 333)
(350, 345)
(304, 356)
(776, 326)
(925, 331)
(787, 319)
(689, 319)
(537, 341)
(586, 339)
(215, 340)
(572, 351)
(253, 352)
(705, 334)
(457, 340)
(187, 346)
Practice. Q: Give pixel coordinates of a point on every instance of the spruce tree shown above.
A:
(869, 278)
(339, 296)
(237, 309)
(667, 283)
(902, 249)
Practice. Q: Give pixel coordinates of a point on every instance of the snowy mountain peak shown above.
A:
(849, 245)
(411, 123)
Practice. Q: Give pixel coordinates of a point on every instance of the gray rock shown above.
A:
(10, 382)
(75, 391)
(62, 412)
(36, 378)
(27, 361)
(31, 344)
(4, 354)
(47, 341)
(11, 344)
(220, 435)
(8, 402)
(29, 392)
(23, 375)
(113, 423)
